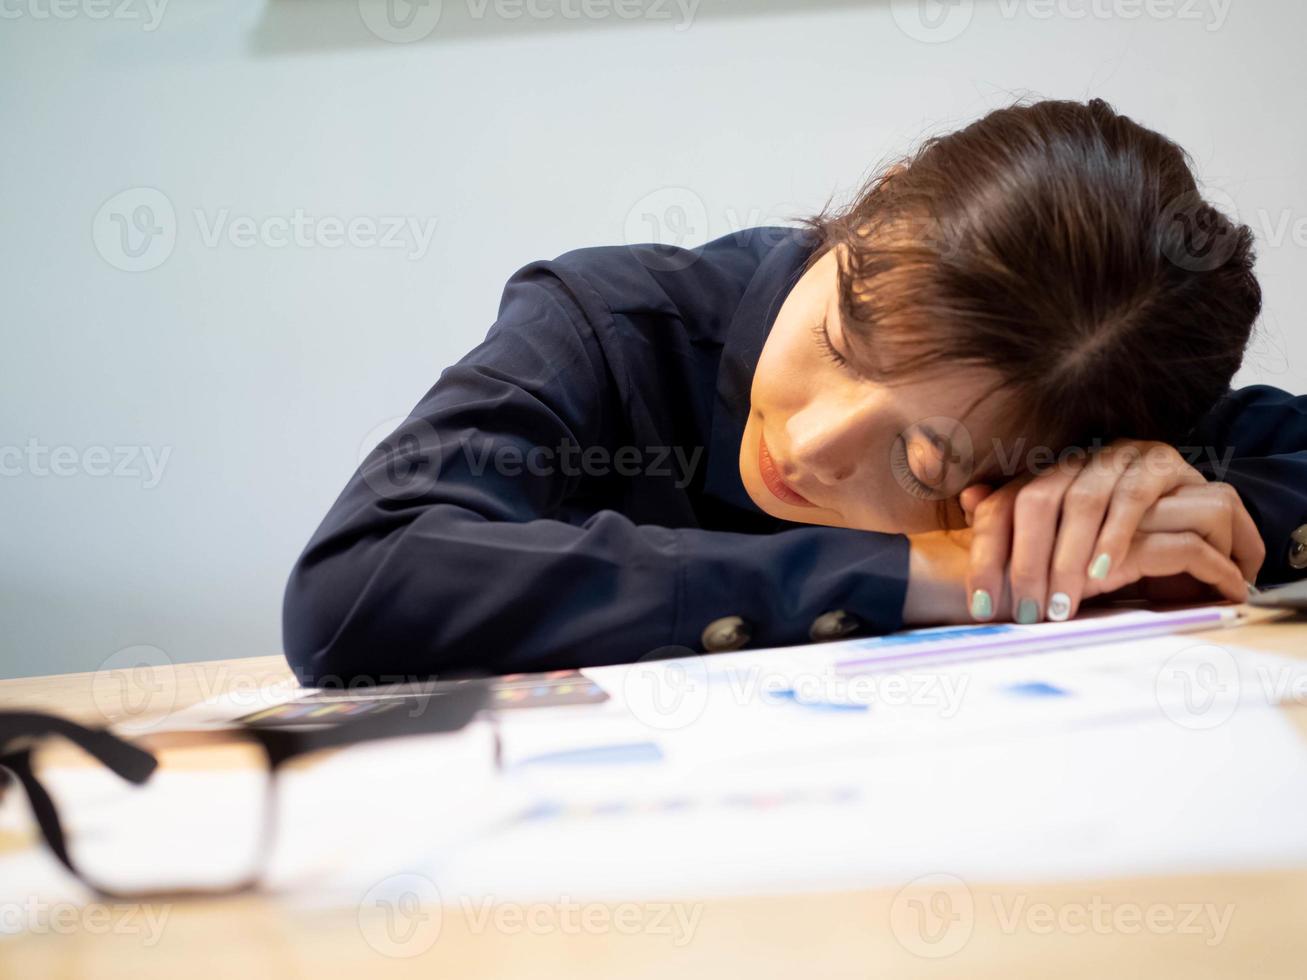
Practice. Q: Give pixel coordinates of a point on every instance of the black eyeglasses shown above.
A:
(104, 827)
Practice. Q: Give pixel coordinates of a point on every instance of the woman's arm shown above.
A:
(450, 548)
(1255, 439)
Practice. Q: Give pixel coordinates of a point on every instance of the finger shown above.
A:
(1034, 533)
(1155, 555)
(1247, 548)
(1207, 514)
(1152, 470)
(1084, 506)
(969, 499)
(991, 536)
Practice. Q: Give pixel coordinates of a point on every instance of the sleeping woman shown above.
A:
(993, 387)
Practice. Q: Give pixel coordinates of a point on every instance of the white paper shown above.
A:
(764, 771)
(1130, 798)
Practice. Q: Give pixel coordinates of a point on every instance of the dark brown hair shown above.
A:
(1067, 248)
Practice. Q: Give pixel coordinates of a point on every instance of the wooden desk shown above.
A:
(833, 935)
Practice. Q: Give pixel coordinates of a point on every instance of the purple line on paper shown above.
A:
(1037, 638)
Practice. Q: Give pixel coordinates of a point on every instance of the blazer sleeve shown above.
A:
(446, 551)
(1256, 440)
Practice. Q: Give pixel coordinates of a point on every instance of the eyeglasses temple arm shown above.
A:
(126, 760)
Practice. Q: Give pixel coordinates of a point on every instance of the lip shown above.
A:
(771, 479)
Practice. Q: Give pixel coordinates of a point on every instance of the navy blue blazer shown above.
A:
(568, 493)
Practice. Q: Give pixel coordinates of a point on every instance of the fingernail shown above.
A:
(1101, 566)
(982, 606)
(1027, 612)
(1059, 606)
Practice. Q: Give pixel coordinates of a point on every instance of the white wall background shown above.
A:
(262, 370)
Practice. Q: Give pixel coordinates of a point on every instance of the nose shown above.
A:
(824, 445)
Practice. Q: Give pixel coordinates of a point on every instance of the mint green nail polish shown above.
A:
(1102, 564)
(982, 606)
(1027, 611)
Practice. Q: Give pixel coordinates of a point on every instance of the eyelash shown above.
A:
(822, 336)
(899, 463)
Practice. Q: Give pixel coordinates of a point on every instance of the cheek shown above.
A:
(883, 499)
(785, 376)
(880, 504)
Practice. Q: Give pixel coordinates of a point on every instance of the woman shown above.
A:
(993, 387)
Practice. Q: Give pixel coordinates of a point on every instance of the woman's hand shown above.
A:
(937, 573)
(1097, 523)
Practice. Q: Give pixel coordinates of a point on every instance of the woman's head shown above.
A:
(1047, 277)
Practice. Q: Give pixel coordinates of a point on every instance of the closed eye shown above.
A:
(822, 335)
(903, 472)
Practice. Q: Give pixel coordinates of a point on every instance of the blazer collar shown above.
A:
(780, 268)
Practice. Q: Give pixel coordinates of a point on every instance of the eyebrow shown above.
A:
(982, 471)
(856, 354)
(945, 446)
